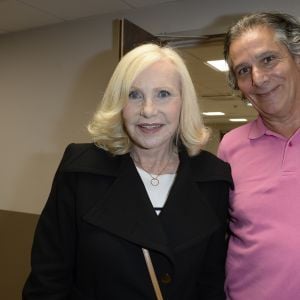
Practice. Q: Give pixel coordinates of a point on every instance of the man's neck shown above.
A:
(285, 128)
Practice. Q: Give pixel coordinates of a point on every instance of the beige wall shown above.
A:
(16, 232)
(52, 78)
(50, 82)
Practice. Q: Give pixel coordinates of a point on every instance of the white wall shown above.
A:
(52, 78)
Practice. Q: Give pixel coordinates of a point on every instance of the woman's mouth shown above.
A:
(150, 128)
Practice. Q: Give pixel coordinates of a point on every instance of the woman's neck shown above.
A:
(155, 161)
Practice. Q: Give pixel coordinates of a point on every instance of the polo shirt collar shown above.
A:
(259, 129)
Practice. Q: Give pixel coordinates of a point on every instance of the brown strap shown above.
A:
(152, 274)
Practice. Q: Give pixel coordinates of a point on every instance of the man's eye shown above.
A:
(268, 59)
(163, 94)
(243, 71)
(135, 95)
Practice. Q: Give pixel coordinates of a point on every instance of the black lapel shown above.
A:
(186, 217)
(126, 211)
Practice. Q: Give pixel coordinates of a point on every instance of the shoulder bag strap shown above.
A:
(152, 274)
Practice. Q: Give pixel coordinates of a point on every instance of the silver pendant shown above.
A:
(154, 182)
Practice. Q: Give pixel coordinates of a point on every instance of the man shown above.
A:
(263, 263)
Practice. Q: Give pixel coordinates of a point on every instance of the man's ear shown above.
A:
(297, 59)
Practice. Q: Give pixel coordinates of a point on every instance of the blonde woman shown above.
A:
(139, 213)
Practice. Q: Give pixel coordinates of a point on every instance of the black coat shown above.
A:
(88, 240)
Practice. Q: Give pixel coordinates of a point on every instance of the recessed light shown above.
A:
(219, 65)
(213, 113)
(238, 120)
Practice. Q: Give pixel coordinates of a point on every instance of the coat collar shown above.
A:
(88, 158)
(126, 211)
(186, 217)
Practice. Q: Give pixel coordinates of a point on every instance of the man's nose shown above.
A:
(259, 76)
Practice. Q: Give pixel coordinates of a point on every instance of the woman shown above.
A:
(144, 186)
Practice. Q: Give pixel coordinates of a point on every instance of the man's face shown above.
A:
(267, 74)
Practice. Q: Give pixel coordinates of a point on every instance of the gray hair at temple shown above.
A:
(286, 28)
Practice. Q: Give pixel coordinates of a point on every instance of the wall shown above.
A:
(52, 78)
(50, 82)
(16, 232)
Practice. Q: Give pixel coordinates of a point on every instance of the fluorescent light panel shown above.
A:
(219, 65)
(213, 113)
(238, 120)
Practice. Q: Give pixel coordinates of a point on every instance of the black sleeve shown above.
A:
(212, 276)
(53, 250)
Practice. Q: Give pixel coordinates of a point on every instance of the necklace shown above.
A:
(154, 178)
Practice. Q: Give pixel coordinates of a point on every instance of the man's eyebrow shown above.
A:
(241, 65)
(258, 57)
(264, 54)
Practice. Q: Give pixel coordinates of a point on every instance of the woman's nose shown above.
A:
(148, 108)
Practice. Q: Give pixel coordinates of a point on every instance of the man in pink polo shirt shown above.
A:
(263, 263)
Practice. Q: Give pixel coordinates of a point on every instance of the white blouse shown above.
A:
(158, 194)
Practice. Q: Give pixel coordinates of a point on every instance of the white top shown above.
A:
(158, 194)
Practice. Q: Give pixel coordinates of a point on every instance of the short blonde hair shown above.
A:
(106, 127)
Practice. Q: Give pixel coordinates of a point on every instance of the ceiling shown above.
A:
(17, 15)
(211, 85)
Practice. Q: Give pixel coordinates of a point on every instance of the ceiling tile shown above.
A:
(143, 3)
(16, 16)
(72, 9)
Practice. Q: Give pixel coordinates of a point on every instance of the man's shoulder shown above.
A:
(238, 133)
(237, 138)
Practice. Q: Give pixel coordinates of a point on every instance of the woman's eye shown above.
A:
(135, 95)
(163, 94)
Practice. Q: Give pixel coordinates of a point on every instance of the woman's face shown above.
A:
(151, 115)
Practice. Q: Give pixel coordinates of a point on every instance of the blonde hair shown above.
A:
(106, 127)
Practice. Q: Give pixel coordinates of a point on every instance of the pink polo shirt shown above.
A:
(263, 260)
